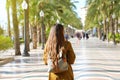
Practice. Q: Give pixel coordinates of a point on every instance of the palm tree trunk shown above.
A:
(104, 30)
(111, 24)
(116, 28)
(27, 27)
(31, 33)
(107, 26)
(39, 35)
(15, 27)
(99, 32)
(34, 37)
(113, 29)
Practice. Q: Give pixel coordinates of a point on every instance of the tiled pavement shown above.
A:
(95, 60)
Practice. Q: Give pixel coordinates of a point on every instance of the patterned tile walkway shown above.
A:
(95, 60)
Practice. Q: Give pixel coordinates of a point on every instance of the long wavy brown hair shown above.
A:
(55, 41)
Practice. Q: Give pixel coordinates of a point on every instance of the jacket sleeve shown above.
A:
(45, 56)
(70, 54)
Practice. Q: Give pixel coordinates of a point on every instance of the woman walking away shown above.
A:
(56, 43)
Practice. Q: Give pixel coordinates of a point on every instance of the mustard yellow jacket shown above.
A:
(66, 75)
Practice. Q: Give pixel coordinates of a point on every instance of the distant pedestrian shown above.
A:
(78, 35)
(66, 35)
(87, 36)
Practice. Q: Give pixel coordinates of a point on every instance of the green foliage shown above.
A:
(62, 11)
(47, 32)
(110, 36)
(99, 10)
(21, 40)
(5, 43)
(117, 37)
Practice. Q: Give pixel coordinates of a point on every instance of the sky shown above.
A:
(80, 11)
(3, 14)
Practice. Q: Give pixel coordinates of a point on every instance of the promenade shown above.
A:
(95, 60)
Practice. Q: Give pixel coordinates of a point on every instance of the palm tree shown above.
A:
(34, 16)
(93, 20)
(8, 16)
(15, 27)
(107, 9)
(117, 11)
(101, 12)
(63, 12)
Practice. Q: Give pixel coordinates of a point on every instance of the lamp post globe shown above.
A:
(41, 13)
(24, 5)
(57, 21)
(25, 52)
(113, 16)
(42, 29)
(68, 25)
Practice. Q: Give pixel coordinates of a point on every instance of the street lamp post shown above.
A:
(24, 6)
(42, 29)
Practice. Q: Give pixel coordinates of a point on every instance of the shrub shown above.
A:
(117, 37)
(5, 43)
